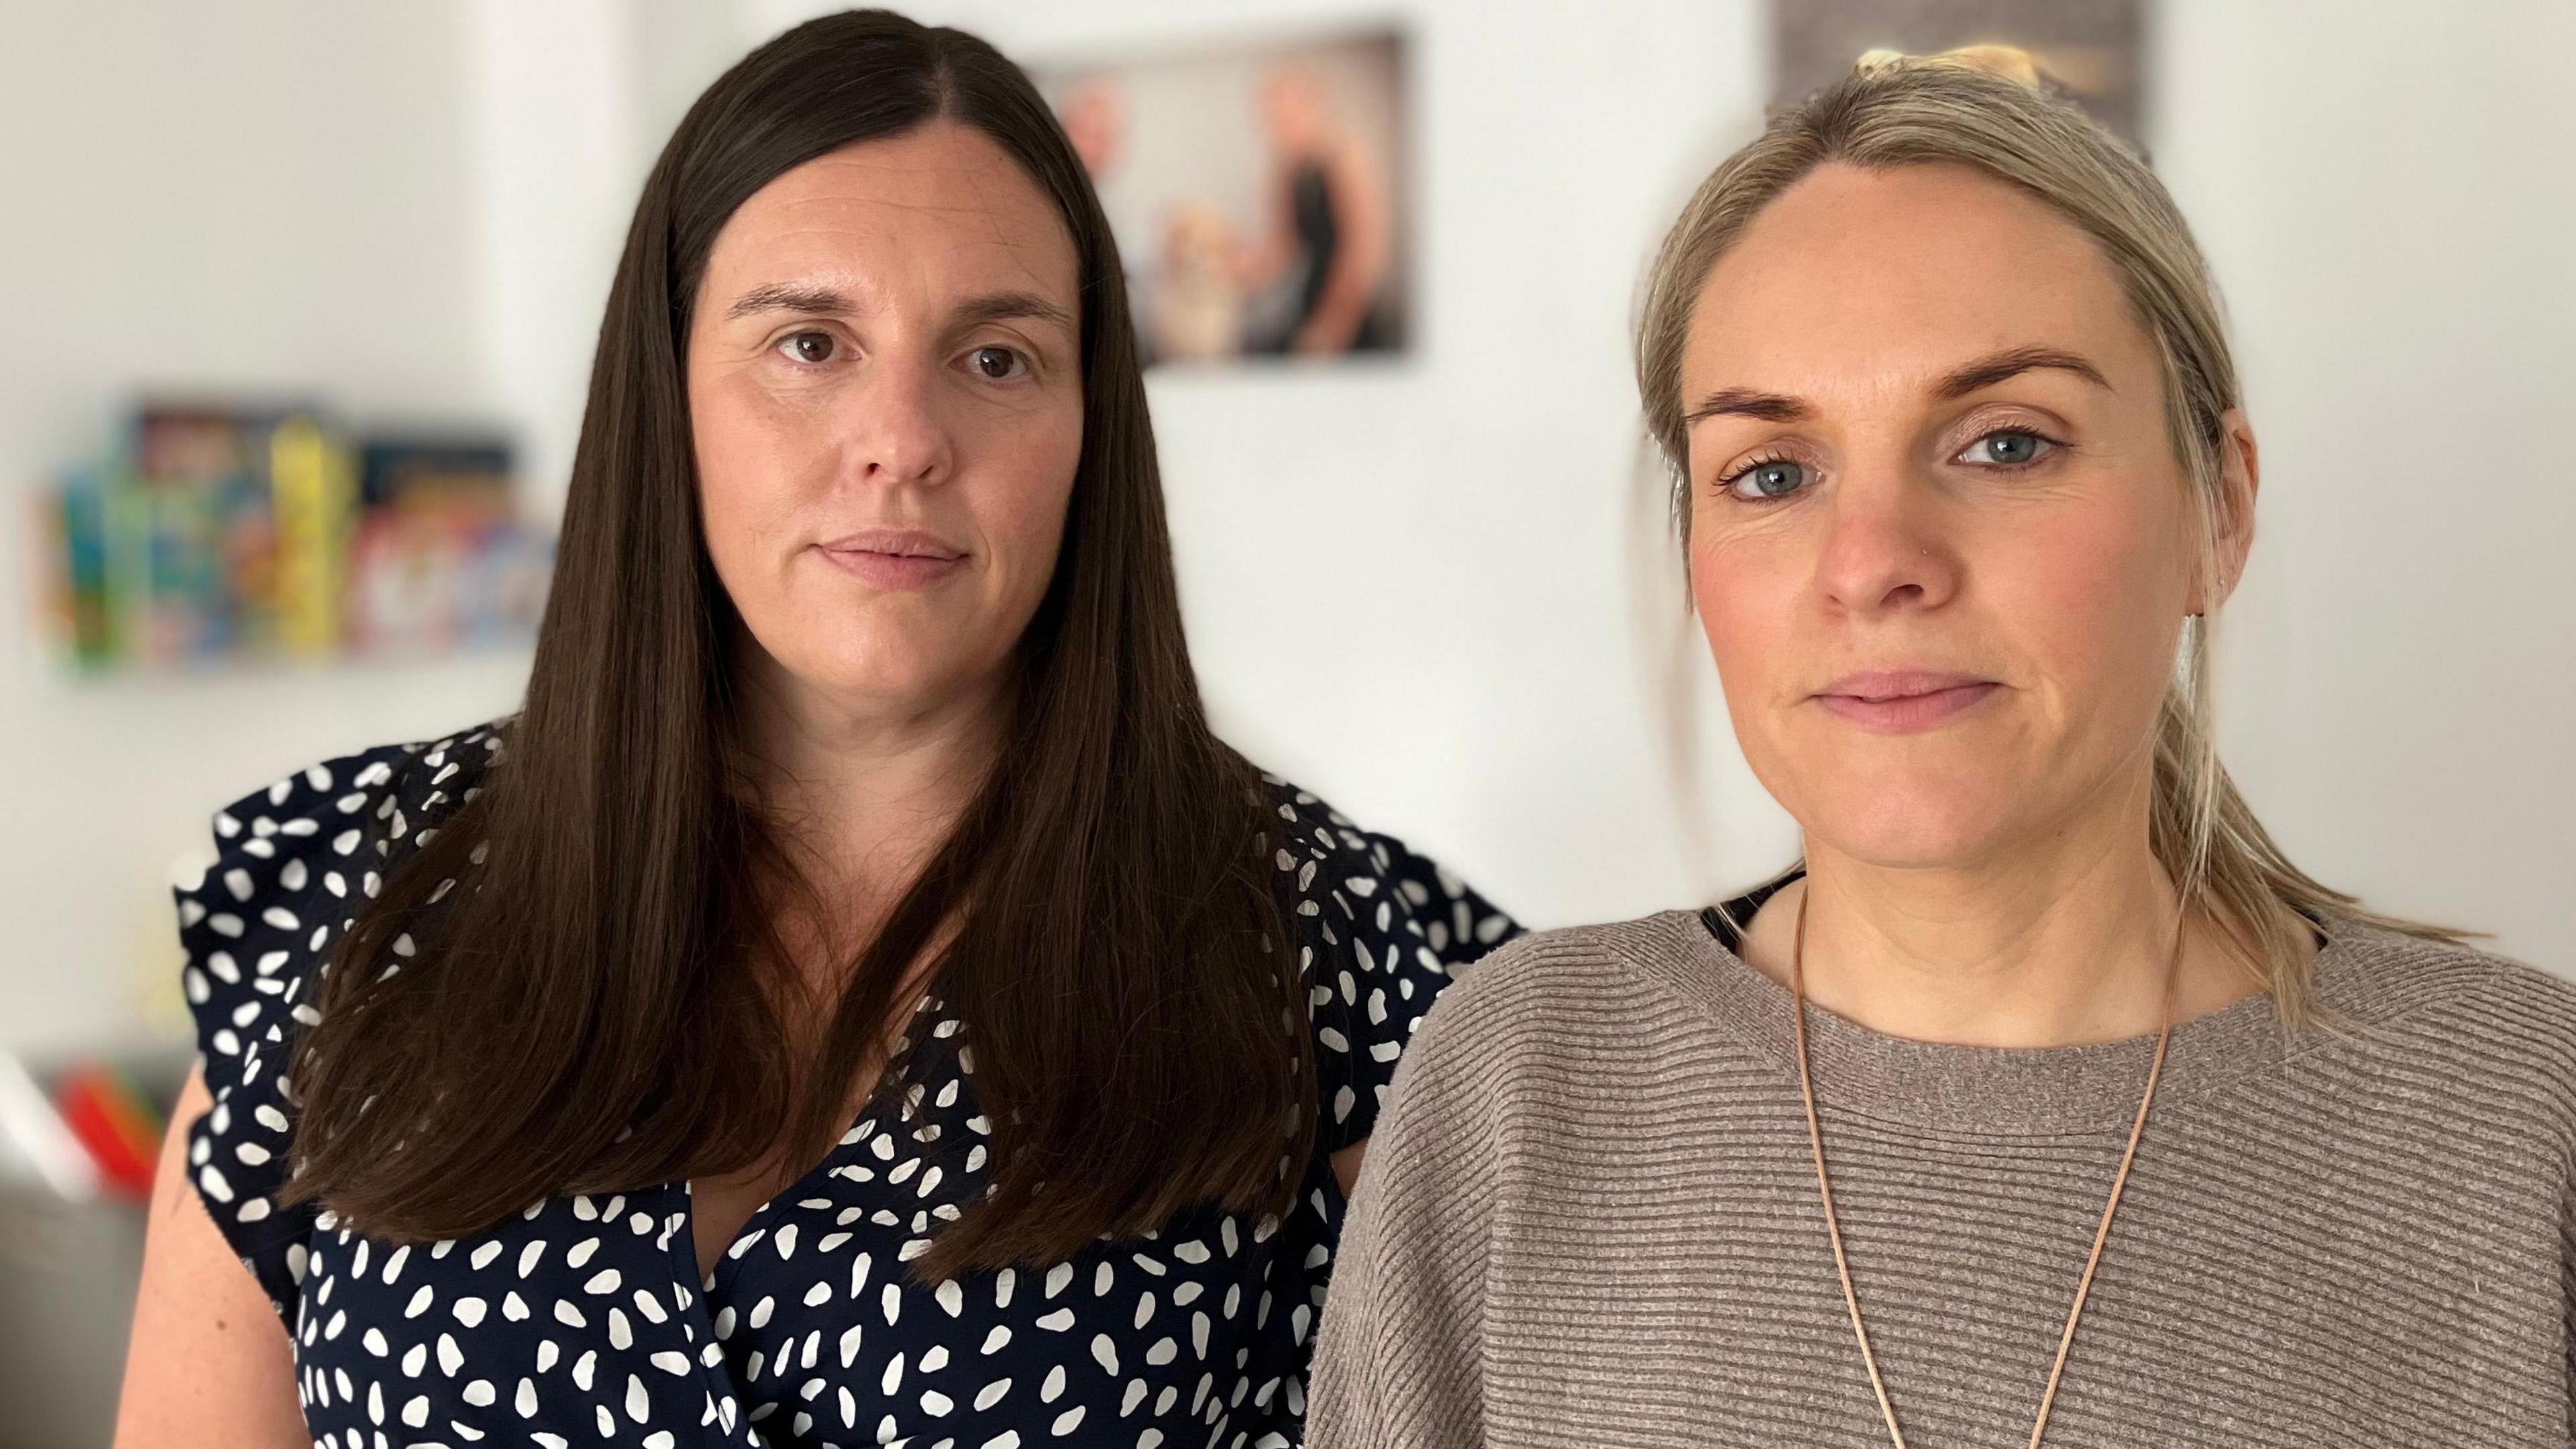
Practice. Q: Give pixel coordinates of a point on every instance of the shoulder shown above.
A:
(1545, 1040)
(1573, 992)
(2450, 997)
(325, 826)
(2464, 1040)
(294, 862)
(1336, 873)
(354, 789)
(1378, 930)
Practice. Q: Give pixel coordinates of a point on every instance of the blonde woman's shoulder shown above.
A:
(2484, 1015)
(2405, 974)
(1577, 988)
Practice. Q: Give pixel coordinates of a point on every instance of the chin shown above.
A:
(897, 688)
(1920, 825)
(880, 677)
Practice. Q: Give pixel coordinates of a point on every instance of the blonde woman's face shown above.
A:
(1940, 544)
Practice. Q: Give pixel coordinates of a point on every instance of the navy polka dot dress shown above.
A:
(584, 1320)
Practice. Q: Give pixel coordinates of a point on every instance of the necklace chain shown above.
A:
(1833, 1226)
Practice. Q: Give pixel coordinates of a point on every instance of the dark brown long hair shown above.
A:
(598, 1007)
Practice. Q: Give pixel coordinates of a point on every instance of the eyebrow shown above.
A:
(791, 297)
(1976, 376)
(1012, 307)
(820, 301)
(1770, 407)
(1985, 372)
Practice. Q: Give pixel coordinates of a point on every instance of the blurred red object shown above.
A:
(115, 1123)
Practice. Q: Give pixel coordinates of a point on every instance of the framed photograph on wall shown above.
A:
(2092, 49)
(1258, 193)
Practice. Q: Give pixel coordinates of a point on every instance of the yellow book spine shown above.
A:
(313, 490)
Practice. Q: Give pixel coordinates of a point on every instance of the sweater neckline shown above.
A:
(2003, 1091)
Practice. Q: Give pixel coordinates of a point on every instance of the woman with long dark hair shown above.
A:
(858, 999)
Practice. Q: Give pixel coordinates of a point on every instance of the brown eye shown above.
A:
(811, 347)
(996, 363)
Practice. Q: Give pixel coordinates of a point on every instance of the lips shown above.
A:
(895, 543)
(894, 558)
(1903, 701)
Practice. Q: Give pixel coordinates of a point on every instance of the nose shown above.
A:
(1886, 548)
(897, 431)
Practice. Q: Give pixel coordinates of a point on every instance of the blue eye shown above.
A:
(2009, 448)
(1776, 478)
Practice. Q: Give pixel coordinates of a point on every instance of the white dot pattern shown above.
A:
(583, 1319)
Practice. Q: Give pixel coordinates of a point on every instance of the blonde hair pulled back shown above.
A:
(1990, 109)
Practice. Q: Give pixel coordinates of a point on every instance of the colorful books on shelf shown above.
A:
(219, 533)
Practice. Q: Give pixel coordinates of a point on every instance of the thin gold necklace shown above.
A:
(1833, 1228)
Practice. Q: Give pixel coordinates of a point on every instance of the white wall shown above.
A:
(1419, 587)
(265, 194)
(2388, 194)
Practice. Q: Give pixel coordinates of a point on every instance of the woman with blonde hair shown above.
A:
(2045, 1100)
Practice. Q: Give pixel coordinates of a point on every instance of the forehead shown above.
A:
(940, 209)
(1882, 278)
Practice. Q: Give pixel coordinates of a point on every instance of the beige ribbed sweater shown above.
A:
(1588, 1217)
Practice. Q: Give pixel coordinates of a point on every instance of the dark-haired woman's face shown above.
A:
(884, 374)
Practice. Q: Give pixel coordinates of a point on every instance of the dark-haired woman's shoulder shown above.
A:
(293, 862)
(309, 843)
(1379, 931)
(362, 790)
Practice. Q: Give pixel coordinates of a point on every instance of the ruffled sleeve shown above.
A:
(1379, 930)
(292, 865)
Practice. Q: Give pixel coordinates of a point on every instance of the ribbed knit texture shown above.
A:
(1589, 1217)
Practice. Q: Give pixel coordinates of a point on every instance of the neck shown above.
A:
(2058, 946)
(865, 794)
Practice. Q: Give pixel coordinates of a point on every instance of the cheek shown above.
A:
(2097, 594)
(1024, 509)
(748, 469)
(1738, 592)
(1747, 590)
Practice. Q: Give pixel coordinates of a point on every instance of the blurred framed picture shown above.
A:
(1257, 192)
(2092, 49)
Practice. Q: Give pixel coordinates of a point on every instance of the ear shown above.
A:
(2240, 477)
